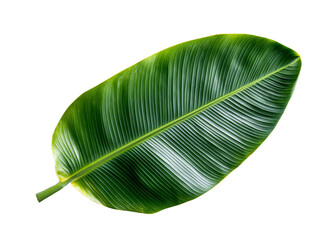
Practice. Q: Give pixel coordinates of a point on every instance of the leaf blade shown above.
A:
(160, 90)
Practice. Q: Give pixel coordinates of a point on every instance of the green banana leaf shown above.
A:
(172, 126)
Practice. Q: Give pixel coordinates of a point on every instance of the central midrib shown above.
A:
(97, 163)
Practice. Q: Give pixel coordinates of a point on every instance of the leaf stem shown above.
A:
(49, 191)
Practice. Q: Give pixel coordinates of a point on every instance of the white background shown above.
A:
(52, 51)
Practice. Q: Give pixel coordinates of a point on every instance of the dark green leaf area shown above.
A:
(171, 127)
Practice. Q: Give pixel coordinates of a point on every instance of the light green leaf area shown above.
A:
(172, 126)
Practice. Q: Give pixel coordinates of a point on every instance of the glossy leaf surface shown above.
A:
(172, 126)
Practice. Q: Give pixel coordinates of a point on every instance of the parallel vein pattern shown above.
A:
(171, 127)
